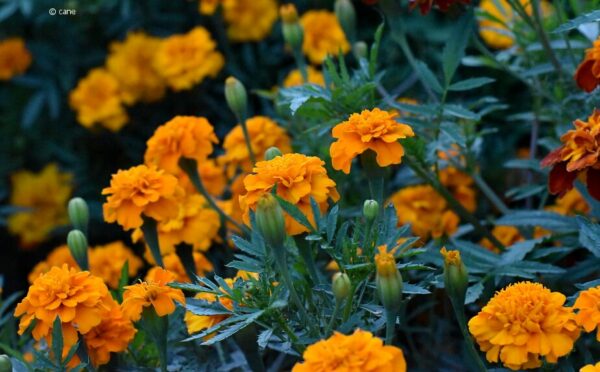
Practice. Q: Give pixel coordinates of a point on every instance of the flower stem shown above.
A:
(242, 120)
(150, 232)
(490, 194)
(459, 311)
(157, 327)
(390, 326)
(348, 307)
(246, 340)
(307, 256)
(334, 315)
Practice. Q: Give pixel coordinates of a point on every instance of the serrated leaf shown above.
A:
(473, 293)
(247, 319)
(454, 49)
(471, 83)
(518, 251)
(295, 213)
(547, 220)
(263, 338)
(428, 76)
(414, 289)
(203, 307)
(460, 112)
(572, 24)
(589, 235)
(57, 340)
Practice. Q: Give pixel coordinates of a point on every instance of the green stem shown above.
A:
(334, 315)
(149, 229)
(390, 326)
(307, 256)
(190, 167)
(490, 194)
(301, 63)
(539, 28)
(246, 340)
(293, 338)
(348, 307)
(459, 311)
(157, 327)
(242, 120)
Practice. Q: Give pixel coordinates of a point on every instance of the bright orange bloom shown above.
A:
(587, 74)
(59, 256)
(14, 58)
(141, 191)
(375, 130)
(44, 198)
(572, 202)
(155, 293)
(460, 185)
(385, 262)
(249, 20)
(208, 7)
(173, 264)
(359, 351)
(523, 322)
(186, 60)
(77, 297)
(579, 154)
(106, 262)
(183, 136)
(588, 304)
(426, 5)
(294, 78)
(507, 235)
(198, 323)
(298, 178)
(591, 368)
(112, 335)
(323, 35)
(264, 133)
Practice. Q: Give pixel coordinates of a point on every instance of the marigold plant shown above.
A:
(588, 306)
(323, 35)
(15, 58)
(249, 20)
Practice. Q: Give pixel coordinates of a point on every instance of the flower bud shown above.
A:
(360, 49)
(270, 221)
(291, 29)
(370, 209)
(346, 15)
(79, 214)
(341, 286)
(236, 97)
(456, 276)
(78, 246)
(288, 13)
(5, 363)
(272, 152)
(388, 280)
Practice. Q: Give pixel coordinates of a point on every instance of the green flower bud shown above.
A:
(291, 29)
(272, 152)
(270, 221)
(5, 363)
(79, 214)
(456, 276)
(236, 97)
(341, 286)
(370, 209)
(78, 245)
(344, 10)
(388, 281)
(360, 49)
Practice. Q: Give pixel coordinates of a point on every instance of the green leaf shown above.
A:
(242, 322)
(590, 284)
(518, 251)
(460, 112)
(547, 220)
(469, 84)
(473, 293)
(589, 235)
(295, 213)
(414, 289)
(455, 47)
(123, 280)
(57, 341)
(375, 51)
(428, 76)
(203, 307)
(332, 222)
(593, 16)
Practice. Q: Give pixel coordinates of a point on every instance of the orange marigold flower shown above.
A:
(298, 178)
(155, 293)
(264, 133)
(426, 5)
(173, 264)
(249, 20)
(208, 7)
(323, 35)
(425, 210)
(360, 351)
(106, 262)
(130, 62)
(14, 58)
(294, 78)
(43, 197)
(588, 304)
(185, 60)
(587, 74)
(507, 235)
(77, 297)
(59, 256)
(183, 136)
(460, 185)
(572, 202)
(141, 191)
(112, 335)
(591, 368)
(97, 100)
(375, 130)
(523, 322)
(198, 323)
(385, 262)
(579, 154)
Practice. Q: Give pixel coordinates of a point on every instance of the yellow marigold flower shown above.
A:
(323, 35)
(208, 7)
(249, 20)
(130, 62)
(59, 256)
(155, 293)
(294, 78)
(496, 29)
(106, 262)
(14, 58)
(44, 197)
(97, 100)
(173, 264)
(198, 323)
(185, 60)
(212, 176)
(77, 297)
(263, 132)
(588, 304)
(359, 351)
(374, 130)
(591, 368)
(112, 335)
(460, 185)
(523, 322)
(298, 178)
(141, 190)
(425, 210)
(183, 136)
(451, 258)
(507, 235)
(572, 202)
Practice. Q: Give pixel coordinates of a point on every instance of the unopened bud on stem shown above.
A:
(291, 29)
(78, 245)
(236, 97)
(370, 209)
(79, 214)
(456, 276)
(272, 152)
(388, 280)
(270, 221)
(341, 286)
(346, 15)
